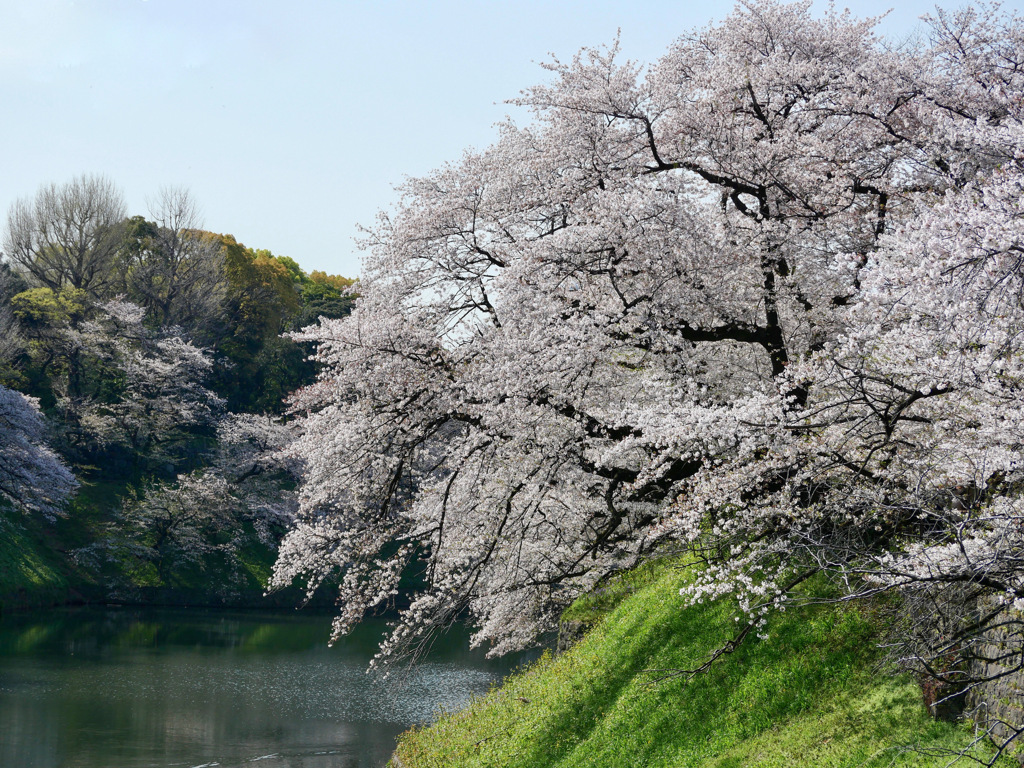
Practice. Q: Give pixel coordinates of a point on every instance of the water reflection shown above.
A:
(123, 688)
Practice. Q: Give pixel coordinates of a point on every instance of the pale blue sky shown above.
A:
(291, 122)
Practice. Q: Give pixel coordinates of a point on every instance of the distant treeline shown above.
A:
(143, 374)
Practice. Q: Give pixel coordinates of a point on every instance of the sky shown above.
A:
(291, 123)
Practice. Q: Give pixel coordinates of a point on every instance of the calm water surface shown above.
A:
(130, 688)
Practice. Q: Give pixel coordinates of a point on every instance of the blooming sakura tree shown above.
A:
(32, 477)
(254, 461)
(157, 378)
(700, 303)
(209, 515)
(169, 524)
(903, 469)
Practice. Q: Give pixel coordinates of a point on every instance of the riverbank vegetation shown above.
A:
(143, 376)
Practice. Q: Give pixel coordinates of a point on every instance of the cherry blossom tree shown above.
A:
(168, 524)
(902, 472)
(647, 319)
(254, 459)
(210, 515)
(32, 476)
(152, 389)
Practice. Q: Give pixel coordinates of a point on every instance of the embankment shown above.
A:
(812, 694)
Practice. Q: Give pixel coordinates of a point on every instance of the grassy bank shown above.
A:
(38, 570)
(810, 695)
(31, 574)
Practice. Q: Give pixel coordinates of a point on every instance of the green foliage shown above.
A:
(266, 296)
(30, 572)
(335, 281)
(261, 297)
(809, 695)
(260, 292)
(139, 236)
(68, 349)
(298, 276)
(41, 311)
(321, 299)
(56, 364)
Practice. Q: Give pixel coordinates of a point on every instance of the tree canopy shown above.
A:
(136, 354)
(761, 298)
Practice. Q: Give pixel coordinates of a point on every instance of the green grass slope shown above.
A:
(810, 695)
(30, 573)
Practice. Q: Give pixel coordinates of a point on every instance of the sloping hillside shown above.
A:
(810, 695)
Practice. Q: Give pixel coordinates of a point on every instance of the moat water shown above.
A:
(150, 688)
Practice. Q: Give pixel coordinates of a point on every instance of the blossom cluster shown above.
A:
(761, 299)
